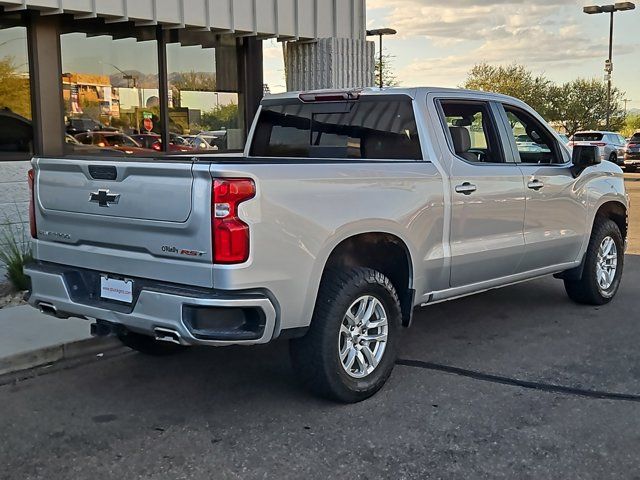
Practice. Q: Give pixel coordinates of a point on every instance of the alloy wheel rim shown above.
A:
(606, 263)
(363, 336)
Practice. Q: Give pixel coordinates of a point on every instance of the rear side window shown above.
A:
(380, 128)
(635, 137)
(588, 137)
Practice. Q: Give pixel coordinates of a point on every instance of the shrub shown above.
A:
(15, 252)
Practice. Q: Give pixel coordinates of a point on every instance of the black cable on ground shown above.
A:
(544, 387)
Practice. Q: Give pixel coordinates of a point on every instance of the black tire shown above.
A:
(630, 169)
(149, 345)
(316, 356)
(613, 158)
(587, 290)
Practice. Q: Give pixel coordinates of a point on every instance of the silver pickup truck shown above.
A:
(347, 210)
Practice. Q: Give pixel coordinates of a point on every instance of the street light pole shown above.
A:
(610, 9)
(610, 70)
(381, 32)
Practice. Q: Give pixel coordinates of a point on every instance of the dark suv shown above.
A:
(632, 153)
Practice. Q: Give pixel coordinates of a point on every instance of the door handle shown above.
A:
(466, 188)
(535, 185)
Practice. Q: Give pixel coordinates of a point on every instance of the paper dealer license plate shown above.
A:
(118, 290)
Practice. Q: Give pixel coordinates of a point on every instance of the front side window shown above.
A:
(535, 143)
(378, 128)
(110, 91)
(471, 132)
(16, 128)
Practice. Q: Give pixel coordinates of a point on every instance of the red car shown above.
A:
(112, 140)
(154, 142)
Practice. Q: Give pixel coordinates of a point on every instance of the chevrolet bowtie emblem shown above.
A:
(103, 198)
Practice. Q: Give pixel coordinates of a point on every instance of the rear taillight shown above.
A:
(230, 234)
(598, 144)
(32, 205)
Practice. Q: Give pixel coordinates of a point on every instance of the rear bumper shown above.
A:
(157, 308)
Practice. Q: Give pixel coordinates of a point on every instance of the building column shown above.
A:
(329, 63)
(251, 76)
(46, 80)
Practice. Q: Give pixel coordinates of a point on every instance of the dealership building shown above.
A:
(150, 77)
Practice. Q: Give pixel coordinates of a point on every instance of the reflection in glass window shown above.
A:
(110, 91)
(375, 128)
(203, 100)
(16, 130)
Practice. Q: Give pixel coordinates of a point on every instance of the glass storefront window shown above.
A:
(16, 129)
(204, 105)
(111, 95)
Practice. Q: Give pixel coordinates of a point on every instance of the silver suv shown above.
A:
(612, 145)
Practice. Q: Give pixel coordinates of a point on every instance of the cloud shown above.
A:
(538, 34)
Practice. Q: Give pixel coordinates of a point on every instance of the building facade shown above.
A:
(149, 77)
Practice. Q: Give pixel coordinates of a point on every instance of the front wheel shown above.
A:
(603, 266)
(351, 347)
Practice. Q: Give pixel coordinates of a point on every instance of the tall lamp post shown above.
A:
(610, 9)
(381, 32)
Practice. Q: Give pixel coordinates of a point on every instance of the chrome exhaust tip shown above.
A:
(167, 335)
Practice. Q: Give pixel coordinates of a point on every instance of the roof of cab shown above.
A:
(409, 91)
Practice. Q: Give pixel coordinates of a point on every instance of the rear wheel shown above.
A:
(613, 158)
(603, 266)
(149, 345)
(350, 349)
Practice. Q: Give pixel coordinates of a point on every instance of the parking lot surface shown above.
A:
(513, 383)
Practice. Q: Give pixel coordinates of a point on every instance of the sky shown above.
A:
(439, 41)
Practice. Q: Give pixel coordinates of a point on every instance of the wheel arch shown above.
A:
(614, 210)
(382, 251)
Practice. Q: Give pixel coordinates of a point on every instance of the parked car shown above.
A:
(16, 133)
(348, 210)
(632, 153)
(202, 142)
(153, 141)
(85, 124)
(112, 140)
(611, 144)
(525, 143)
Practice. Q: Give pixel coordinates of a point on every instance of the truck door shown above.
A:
(556, 216)
(487, 195)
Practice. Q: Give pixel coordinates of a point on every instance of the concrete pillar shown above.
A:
(46, 81)
(329, 63)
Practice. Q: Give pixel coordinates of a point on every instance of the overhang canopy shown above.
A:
(284, 19)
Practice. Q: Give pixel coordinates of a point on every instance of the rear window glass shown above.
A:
(635, 137)
(588, 137)
(369, 129)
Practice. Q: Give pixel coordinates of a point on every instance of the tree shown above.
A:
(388, 77)
(14, 89)
(513, 80)
(221, 117)
(582, 105)
(631, 125)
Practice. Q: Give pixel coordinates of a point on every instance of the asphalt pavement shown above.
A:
(517, 383)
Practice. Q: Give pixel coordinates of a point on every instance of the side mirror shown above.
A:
(585, 156)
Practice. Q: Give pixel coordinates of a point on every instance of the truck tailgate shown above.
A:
(130, 218)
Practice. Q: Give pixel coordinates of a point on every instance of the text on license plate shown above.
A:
(118, 290)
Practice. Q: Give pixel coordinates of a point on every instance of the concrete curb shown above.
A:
(49, 355)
